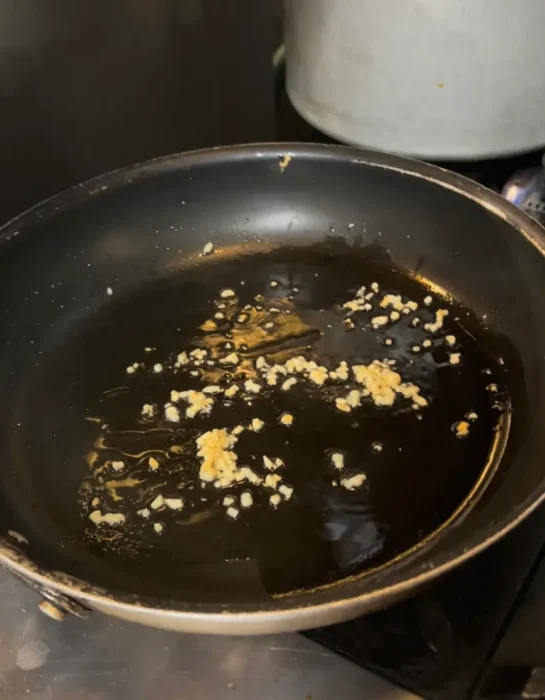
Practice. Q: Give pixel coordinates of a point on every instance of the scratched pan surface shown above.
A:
(66, 342)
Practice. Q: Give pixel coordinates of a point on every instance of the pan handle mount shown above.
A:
(53, 604)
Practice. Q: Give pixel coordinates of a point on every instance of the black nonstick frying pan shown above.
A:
(93, 275)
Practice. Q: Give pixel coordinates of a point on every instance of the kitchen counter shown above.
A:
(106, 659)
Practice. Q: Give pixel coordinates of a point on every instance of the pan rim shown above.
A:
(309, 606)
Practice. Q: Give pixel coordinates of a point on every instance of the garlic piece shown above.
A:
(286, 419)
(257, 424)
(337, 459)
(98, 518)
(353, 482)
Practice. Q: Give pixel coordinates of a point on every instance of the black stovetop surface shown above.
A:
(449, 641)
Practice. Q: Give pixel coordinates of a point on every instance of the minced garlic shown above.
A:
(271, 377)
(455, 358)
(148, 410)
(286, 491)
(233, 512)
(292, 381)
(209, 326)
(231, 391)
(286, 419)
(251, 476)
(231, 359)
(227, 293)
(172, 414)
(218, 461)
(261, 363)
(395, 301)
(318, 375)
(246, 499)
(275, 500)
(252, 387)
(378, 321)
(174, 503)
(198, 402)
(342, 405)
(353, 482)
(153, 464)
(157, 503)
(208, 248)
(256, 424)
(212, 389)
(268, 463)
(337, 459)
(440, 315)
(461, 428)
(272, 464)
(272, 481)
(98, 518)
(183, 359)
(341, 372)
(198, 354)
(382, 383)
(297, 364)
(354, 398)
(354, 305)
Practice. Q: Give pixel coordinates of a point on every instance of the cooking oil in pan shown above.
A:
(363, 481)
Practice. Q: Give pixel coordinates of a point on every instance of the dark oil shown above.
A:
(415, 483)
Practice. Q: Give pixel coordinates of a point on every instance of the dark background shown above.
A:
(86, 87)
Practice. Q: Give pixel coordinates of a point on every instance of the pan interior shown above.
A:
(414, 483)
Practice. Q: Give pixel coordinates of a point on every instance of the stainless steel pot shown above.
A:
(428, 78)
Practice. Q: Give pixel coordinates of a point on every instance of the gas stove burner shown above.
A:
(526, 189)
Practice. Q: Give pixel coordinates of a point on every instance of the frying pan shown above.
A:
(69, 265)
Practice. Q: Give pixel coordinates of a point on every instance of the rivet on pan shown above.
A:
(51, 610)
